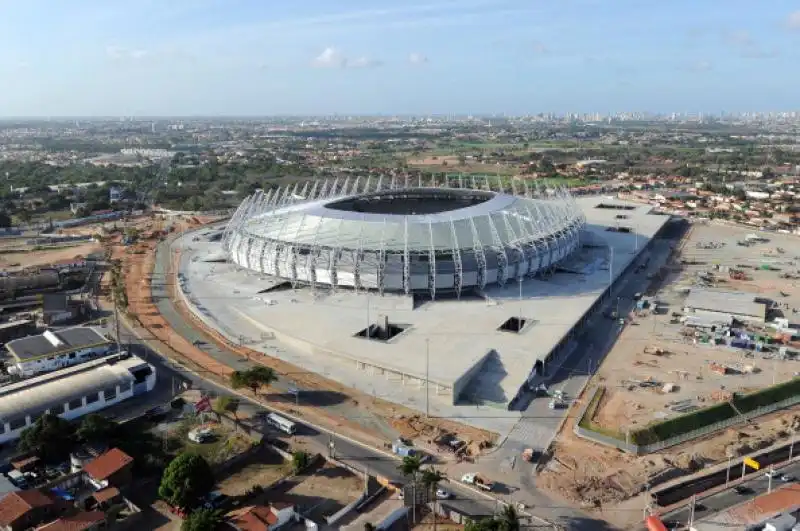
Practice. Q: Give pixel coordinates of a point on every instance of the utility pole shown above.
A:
(728, 471)
(116, 321)
(610, 265)
(791, 445)
(691, 511)
(427, 376)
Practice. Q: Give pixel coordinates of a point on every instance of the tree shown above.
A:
(202, 520)
(410, 466)
(300, 460)
(51, 438)
(253, 378)
(24, 215)
(431, 479)
(97, 428)
(508, 519)
(225, 404)
(187, 479)
(5, 220)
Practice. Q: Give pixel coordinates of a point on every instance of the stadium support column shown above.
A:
(527, 189)
(514, 240)
(500, 250)
(480, 254)
(367, 184)
(346, 186)
(304, 191)
(474, 186)
(311, 259)
(357, 259)
(313, 194)
(323, 193)
(431, 263)
(380, 183)
(459, 271)
(406, 258)
(333, 258)
(354, 189)
(382, 259)
(394, 182)
(334, 188)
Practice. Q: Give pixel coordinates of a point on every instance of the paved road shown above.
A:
(356, 455)
(728, 498)
(539, 424)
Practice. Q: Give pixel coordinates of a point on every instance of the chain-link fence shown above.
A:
(643, 449)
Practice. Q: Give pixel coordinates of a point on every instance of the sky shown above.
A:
(320, 57)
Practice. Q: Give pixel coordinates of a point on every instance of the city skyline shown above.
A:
(244, 58)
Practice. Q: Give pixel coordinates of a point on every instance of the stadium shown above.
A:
(455, 293)
(416, 240)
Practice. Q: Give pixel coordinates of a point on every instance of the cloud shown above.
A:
(119, 53)
(700, 66)
(793, 21)
(330, 58)
(741, 42)
(417, 58)
(333, 58)
(539, 48)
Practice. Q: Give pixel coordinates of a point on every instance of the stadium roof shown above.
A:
(35, 395)
(51, 343)
(495, 219)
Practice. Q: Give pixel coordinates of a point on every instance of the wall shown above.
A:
(463, 381)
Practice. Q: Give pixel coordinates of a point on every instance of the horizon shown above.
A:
(242, 58)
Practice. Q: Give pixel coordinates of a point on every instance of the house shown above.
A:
(81, 521)
(113, 468)
(261, 517)
(25, 509)
(55, 350)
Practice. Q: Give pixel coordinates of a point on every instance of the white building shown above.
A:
(73, 392)
(55, 350)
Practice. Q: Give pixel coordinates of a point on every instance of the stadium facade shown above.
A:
(426, 239)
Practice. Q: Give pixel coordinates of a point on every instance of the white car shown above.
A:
(443, 494)
(200, 435)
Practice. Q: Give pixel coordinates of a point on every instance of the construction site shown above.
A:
(719, 320)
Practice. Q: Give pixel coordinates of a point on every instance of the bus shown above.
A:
(283, 424)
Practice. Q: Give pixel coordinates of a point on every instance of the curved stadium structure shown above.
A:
(400, 238)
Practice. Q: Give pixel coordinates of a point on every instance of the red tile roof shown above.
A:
(253, 518)
(16, 504)
(105, 494)
(107, 464)
(77, 522)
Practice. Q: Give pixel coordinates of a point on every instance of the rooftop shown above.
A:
(107, 464)
(76, 522)
(16, 504)
(733, 302)
(253, 518)
(759, 509)
(34, 395)
(52, 343)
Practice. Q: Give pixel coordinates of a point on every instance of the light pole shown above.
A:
(427, 376)
(791, 445)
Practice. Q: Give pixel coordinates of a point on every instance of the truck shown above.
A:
(402, 449)
(479, 481)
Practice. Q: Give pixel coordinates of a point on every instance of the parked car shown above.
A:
(787, 478)
(742, 490)
(201, 435)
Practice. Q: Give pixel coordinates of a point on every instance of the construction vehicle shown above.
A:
(736, 274)
(473, 478)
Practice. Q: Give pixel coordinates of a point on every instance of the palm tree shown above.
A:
(508, 519)
(431, 479)
(410, 467)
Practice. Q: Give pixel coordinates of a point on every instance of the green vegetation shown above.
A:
(300, 461)
(51, 438)
(187, 479)
(717, 413)
(202, 520)
(253, 378)
(507, 520)
(225, 404)
(660, 431)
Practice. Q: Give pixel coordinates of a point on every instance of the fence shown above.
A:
(643, 449)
